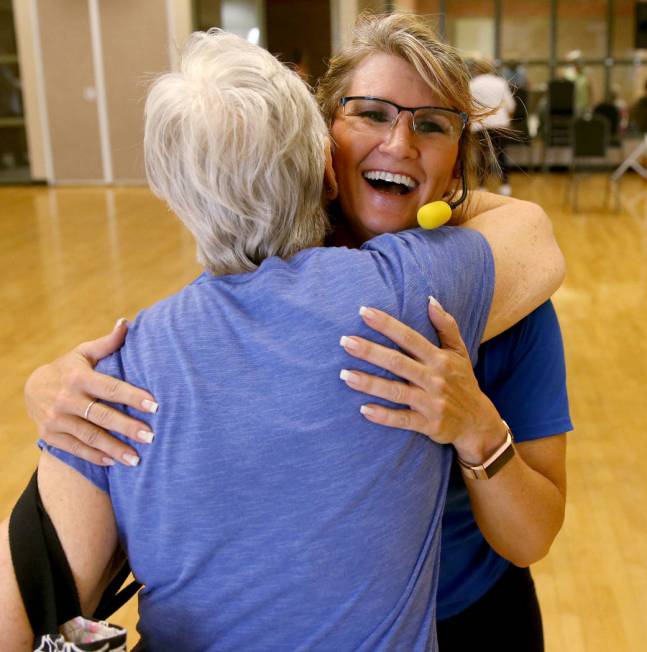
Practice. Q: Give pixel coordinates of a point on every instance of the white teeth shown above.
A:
(380, 175)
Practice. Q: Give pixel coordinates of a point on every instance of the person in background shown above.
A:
(492, 92)
(583, 92)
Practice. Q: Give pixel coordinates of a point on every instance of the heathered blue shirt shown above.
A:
(522, 371)
(269, 514)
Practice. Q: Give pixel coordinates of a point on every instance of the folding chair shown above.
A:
(560, 110)
(638, 121)
(590, 142)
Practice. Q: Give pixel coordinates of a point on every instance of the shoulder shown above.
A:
(173, 316)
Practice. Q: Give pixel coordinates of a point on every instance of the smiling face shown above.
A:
(384, 177)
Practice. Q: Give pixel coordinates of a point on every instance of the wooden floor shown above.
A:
(74, 260)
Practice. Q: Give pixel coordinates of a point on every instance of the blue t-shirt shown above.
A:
(269, 514)
(522, 371)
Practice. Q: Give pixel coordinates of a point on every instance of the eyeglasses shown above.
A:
(429, 122)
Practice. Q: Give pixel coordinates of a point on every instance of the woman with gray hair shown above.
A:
(270, 514)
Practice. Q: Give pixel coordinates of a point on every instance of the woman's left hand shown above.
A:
(521, 510)
(439, 387)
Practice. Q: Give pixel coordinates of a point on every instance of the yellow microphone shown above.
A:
(433, 215)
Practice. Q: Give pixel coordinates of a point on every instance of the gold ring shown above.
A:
(87, 409)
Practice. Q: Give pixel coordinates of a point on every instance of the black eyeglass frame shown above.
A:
(411, 109)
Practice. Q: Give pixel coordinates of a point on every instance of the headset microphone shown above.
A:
(433, 215)
(437, 213)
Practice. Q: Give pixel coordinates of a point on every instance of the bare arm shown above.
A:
(84, 522)
(529, 264)
(521, 509)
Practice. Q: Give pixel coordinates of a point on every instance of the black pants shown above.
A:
(506, 619)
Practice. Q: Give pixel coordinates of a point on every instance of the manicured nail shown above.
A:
(349, 376)
(146, 436)
(149, 406)
(434, 302)
(367, 313)
(366, 410)
(131, 460)
(348, 343)
(107, 461)
(120, 322)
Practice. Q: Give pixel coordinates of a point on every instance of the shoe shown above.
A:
(505, 190)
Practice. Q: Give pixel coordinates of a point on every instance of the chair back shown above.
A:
(611, 113)
(561, 97)
(590, 137)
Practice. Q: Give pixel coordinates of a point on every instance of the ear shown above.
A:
(330, 180)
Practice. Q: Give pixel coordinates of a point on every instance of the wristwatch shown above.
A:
(494, 463)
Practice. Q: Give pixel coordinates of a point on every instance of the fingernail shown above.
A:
(367, 313)
(146, 436)
(434, 302)
(120, 322)
(149, 406)
(366, 410)
(348, 376)
(107, 461)
(131, 460)
(348, 343)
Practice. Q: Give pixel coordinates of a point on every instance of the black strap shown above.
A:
(112, 598)
(44, 576)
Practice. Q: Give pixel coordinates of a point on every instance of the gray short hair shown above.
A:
(234, 143)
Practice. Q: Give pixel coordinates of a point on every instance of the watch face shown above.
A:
(494, 463)
(497, 464)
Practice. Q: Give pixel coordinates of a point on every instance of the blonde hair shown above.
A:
(406, 36)
(235, 144)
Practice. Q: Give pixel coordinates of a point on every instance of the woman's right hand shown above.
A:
(58, 395)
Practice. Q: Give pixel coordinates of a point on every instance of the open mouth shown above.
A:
(394, 184)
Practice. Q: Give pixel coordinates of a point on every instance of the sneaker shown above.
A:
(505, 190)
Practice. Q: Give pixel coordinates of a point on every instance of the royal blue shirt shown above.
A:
(522, 371)
(269, 515)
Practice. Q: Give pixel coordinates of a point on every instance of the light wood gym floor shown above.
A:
(73, 260)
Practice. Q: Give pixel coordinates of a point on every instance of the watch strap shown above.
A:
(492, 464)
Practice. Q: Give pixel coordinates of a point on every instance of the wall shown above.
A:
(141, 50)
(32, 96)
(85, 66)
